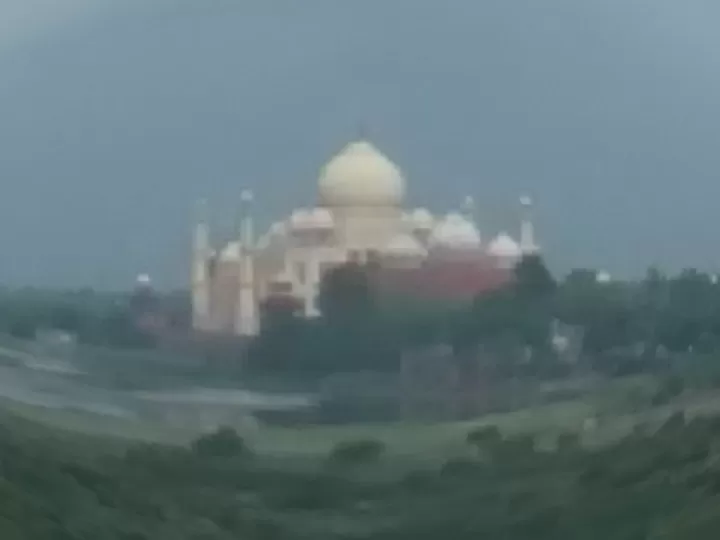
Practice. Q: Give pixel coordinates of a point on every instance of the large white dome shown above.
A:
(361, 175)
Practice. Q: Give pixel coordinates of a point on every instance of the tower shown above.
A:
(527, 229)
(200, 278)
(468, 208)
(246, 311)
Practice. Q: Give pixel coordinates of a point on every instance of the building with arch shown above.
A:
(359, 217)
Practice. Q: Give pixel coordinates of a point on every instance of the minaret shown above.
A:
(200, 278)
(468, 207)
(246, 309)
(469, 210)
(527, 229)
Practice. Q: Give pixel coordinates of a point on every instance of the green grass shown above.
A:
(439, 440)
(96, 425)
(429, 441)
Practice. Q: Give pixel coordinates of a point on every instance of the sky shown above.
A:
(116, 115)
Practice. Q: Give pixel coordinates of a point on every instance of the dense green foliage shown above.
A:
(661, 485)
(356, 453)
(359, 331)
(107, 319)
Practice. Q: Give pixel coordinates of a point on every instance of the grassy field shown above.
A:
(610, 405)
(433, 439)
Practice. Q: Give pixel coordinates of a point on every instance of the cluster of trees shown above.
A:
(657, 484)
(679, 313)
(94, 318)
(360, 331)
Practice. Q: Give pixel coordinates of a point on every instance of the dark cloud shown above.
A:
(111, 125)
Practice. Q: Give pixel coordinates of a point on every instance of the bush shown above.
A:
(517, 447)
(568, 442)
(357, 452)
(484, 436)
(223, 443)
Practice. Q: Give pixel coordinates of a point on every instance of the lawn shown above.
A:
(433, 441)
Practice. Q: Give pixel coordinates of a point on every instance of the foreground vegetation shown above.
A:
(532, 474)
(362, 330)
(656, 483)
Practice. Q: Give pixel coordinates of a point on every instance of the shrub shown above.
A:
(357, 452)
(224, 443)
(484, 436)
(517, 447)
(568, 442)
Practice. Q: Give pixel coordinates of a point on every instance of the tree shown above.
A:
(691, 302)
(67, 318)
(533, 280)
(346, 294)
(223, 443)
(606, 311)
(284, 337)
(360, 452)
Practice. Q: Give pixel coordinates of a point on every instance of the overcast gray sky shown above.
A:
(116, 115)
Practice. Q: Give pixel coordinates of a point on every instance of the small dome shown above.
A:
(231, 252)
(504, 246)
(322, 218)
(361, 175)
(456, 231)
(405, 245)
(277, 229)
(422, 219)
(301, 218)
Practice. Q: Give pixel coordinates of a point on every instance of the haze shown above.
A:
(116, 116)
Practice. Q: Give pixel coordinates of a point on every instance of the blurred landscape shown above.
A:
(494, 315)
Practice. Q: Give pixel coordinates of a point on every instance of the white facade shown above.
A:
(360, 214)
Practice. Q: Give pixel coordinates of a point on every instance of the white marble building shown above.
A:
(359, 214)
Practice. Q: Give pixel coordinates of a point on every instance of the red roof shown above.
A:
(443, 280)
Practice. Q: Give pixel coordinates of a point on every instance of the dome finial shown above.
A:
(361, 131)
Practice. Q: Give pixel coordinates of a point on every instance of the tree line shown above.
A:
(94, 318)
(360, 330)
